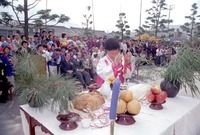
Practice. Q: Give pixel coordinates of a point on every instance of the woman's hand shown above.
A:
(118, 58)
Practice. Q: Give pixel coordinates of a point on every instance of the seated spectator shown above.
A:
(68, 68)
(78, 63)
(95, 62)
(87, 64)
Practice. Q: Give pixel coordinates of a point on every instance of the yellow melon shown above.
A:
(126, 95)
(121, 106)
(133, 107)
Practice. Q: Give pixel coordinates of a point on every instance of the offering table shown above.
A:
(179, 116)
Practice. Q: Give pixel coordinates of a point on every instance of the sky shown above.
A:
(106, 12)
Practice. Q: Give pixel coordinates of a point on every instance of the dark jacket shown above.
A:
(6, 60)
(78, 64)
(2, 71)
(66, 65)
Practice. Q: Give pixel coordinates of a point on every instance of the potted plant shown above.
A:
(32, 81)
(184, 71)
(63, 91)
(39, 90)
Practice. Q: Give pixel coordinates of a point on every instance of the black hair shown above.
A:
(36, 35)
(63, 35)
(58, 49)
(45, 46)
(24, 42)
(39, 45)
(63, 47)
(111, 44)
(43, 31)
(23, 36)
(6, 47)
(50, 31)
(50, 36)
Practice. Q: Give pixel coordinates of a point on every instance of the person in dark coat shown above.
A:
(68, 68)
(4, 84)
(78, 63)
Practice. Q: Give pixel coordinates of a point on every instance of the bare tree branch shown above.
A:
(5, 23)
(56, 23)
(13, 8)
(34, 5)
(32, 19)
(32, 16)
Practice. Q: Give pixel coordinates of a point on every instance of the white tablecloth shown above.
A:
(180, 116)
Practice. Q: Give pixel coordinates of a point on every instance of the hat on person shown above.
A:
(50, 43)
(70, 42)
(5, 45)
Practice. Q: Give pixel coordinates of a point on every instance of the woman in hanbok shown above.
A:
(111, 64)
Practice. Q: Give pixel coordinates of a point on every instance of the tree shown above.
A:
(140, 31)
(4, 3)
(5, 17)
(198, 27)
(24, 9)
(156, 21)
(189, 27)
(87, 24)
(44, 17)
(123, 26)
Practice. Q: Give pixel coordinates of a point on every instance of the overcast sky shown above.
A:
(106, 11)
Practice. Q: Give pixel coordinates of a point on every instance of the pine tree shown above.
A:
(156, 21)
(123, 26)
(87, 24)
(190, 26)
(24, 10)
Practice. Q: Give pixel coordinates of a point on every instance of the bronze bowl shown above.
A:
(68, 121)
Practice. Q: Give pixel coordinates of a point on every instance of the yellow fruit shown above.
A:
(133, 107)
(111, 79)
(157, 87)
(121, 106)
(126, 95)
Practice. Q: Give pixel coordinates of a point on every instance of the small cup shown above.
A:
(86, 123)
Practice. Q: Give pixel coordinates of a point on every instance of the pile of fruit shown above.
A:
(156, 95)
(126, 103)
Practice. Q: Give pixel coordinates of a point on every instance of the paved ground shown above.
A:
(10, 121)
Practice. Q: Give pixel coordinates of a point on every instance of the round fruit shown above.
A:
(126, 95)
(160, 98)
(111, 79)
(133, 107)
(150, 97)
(121, 106)
(155, 90)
